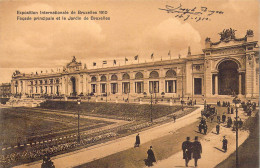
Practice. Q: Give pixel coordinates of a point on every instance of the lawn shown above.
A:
(22, 125)
(137, 111)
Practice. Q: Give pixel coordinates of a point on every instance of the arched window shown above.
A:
(139, 75)
(93, 79)
(170, 74)
(114, 77)
(126, 76)
(154, 74)
(103, 78)
(57, 81)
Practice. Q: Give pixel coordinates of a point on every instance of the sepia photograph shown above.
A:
(129, 84)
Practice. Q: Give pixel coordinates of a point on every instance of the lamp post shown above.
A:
(182, 89)
(151, 113)
(236, 100)
(78, 101)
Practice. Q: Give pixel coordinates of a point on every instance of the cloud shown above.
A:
(172, 35)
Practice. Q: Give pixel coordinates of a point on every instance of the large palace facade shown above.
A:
(227, 67)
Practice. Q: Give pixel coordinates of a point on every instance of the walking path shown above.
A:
(212, 153)
(80, 157)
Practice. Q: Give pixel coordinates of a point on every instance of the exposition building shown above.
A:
(227, 67)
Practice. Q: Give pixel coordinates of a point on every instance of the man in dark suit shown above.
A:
(137, 141)
(225, 142)
(205, 128)
(151, 157)
(197, 150)
(217, 128)
(187, 150)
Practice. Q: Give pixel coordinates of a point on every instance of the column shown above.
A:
(166, 89)
(240, 83)
(216, 84)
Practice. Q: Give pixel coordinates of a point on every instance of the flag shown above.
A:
(152, 56)
(126, 59)
(114, 61)
(94, 64)
(179, 56)
(136, 57)
(104, 62)
(169, 53)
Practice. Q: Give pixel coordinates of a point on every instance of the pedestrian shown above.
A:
(223, 117)
(240, 123)
(200, 127)
(47, 163)
(187, 150)
(205, 128)
(196, 150)
(225, 142)
(217, 128)
(218, 118)
(174, 117)
(151, 157)
(211, 118)
(137, 141)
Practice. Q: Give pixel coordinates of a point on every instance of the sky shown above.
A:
(135, 28)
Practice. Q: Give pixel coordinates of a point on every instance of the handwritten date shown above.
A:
(197, 14)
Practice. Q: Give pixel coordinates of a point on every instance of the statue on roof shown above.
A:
(249, 32)
(73, 59)
(16, 72)
(207, 39)
(227, 34)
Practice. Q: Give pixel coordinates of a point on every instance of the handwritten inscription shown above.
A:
(197, 14)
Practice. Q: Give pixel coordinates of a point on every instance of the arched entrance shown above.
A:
(73, 84)
(228, 78)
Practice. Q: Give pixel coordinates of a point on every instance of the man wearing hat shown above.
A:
(137, 141)
(151, 157)
(187, 150)
(197, 150)
(225, 142)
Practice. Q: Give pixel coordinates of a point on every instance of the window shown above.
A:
(93, 79)
(103, 88)
(170, 74)
(154, 75)
(103, 78)
(154, 86)
(93, 88)
(139, 87)
(170, 86)
(125, 76)
(113, 77)
(114, 88)
(139, 75)
(126, 87)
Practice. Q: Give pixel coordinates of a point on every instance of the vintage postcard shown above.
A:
(129, 84)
